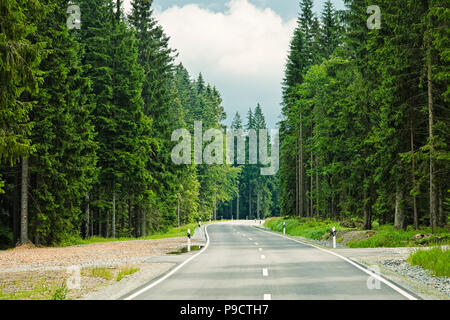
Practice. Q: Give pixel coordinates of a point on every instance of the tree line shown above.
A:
(86, 118)
(366, 119)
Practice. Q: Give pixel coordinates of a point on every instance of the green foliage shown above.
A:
(385, 236)
(308, 228)
(126, 272)
(389, 237)
(357, 105)
(60, 293)
(19, 60)
(101, 272)
(437, 260)
(169, 233)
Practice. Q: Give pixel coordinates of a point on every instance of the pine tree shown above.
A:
(63, 165)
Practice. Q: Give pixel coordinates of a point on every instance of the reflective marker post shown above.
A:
(284, 228)
(189, 240)
(334, 238)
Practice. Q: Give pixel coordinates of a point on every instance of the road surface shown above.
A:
(244, 263)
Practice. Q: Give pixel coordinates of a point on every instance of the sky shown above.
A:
(240, 46)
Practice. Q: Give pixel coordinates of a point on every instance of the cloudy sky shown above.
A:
(240, 46)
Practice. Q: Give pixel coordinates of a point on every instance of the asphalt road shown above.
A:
(243, 263)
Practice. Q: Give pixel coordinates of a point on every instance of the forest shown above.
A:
(88, 107)
(366, 119)
(87, 111)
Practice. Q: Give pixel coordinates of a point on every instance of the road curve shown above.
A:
(243, 263)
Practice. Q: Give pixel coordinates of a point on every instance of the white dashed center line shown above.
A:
(263, 256)
(260, 249)
(265, 272)
(267, 297)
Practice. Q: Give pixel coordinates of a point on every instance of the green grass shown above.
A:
(308, 228)
(104, 273)
(39, 291)
(171, 233)
(388, 237)
(437, 260)
(126, 272)
(60, 293)
(383, 236)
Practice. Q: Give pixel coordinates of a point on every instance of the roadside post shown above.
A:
(334, 238)
(209, 218)
(284, 228)
(189, 240)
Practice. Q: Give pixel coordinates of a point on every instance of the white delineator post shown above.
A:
(334, 238)
(189, 241)
(284, 228)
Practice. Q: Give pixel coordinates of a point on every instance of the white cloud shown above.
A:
(242, 50)
(244, 41)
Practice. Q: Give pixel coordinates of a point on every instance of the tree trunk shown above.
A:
(317, 188)
(257, 205)
(413, 175)
(215, 207)
(16, 206)
(433, 211)
(297, 180)
(24, 203)
(311, 195)
(130, 216)
(143, 223)
(100, 222)
(113, 222)
(249, 201)
(301, 183)
(442, 213)
(178, 211)
(87, 217)
(237, 206)
(399, 213)
(367, 212)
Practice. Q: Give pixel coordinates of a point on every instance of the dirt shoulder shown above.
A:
(29, 272)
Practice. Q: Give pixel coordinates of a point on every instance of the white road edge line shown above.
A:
(372, 274)
(134, 295)
(267, 297)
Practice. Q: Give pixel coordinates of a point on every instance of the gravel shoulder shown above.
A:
(28, 272)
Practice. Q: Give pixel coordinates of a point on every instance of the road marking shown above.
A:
(372, 274)
(138, 293)
(265, 272)
(250, 239)
(267, 297)
(263, 256)
(256, 243)
(260, 249)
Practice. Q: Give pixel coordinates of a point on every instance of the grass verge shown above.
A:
(437, 260)
(380, 236)
(171, 233)
(126, 272)
(308, 228)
